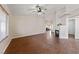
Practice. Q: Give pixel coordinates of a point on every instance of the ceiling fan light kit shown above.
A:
(39, 10)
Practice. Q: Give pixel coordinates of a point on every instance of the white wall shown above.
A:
(71, 26)
(77, 28)
(27, 25)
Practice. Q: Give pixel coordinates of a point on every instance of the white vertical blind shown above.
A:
(3, 24)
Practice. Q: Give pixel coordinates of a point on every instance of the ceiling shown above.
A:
(24, 9)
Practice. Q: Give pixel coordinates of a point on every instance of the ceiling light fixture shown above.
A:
(39, 10)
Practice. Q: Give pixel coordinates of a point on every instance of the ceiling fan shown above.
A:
(39, 9)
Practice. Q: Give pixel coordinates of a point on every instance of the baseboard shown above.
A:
(17, 36)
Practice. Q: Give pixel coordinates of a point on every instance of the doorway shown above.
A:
(71, 28)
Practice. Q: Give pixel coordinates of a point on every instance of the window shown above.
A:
(3, 24)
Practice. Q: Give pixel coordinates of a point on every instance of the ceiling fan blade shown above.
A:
(31, 9)
(43, 8)
(34, 10)
(37, 9)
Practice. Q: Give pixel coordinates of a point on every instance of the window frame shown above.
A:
(6, 24)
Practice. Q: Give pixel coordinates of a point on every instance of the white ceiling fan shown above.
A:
(38, 9)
